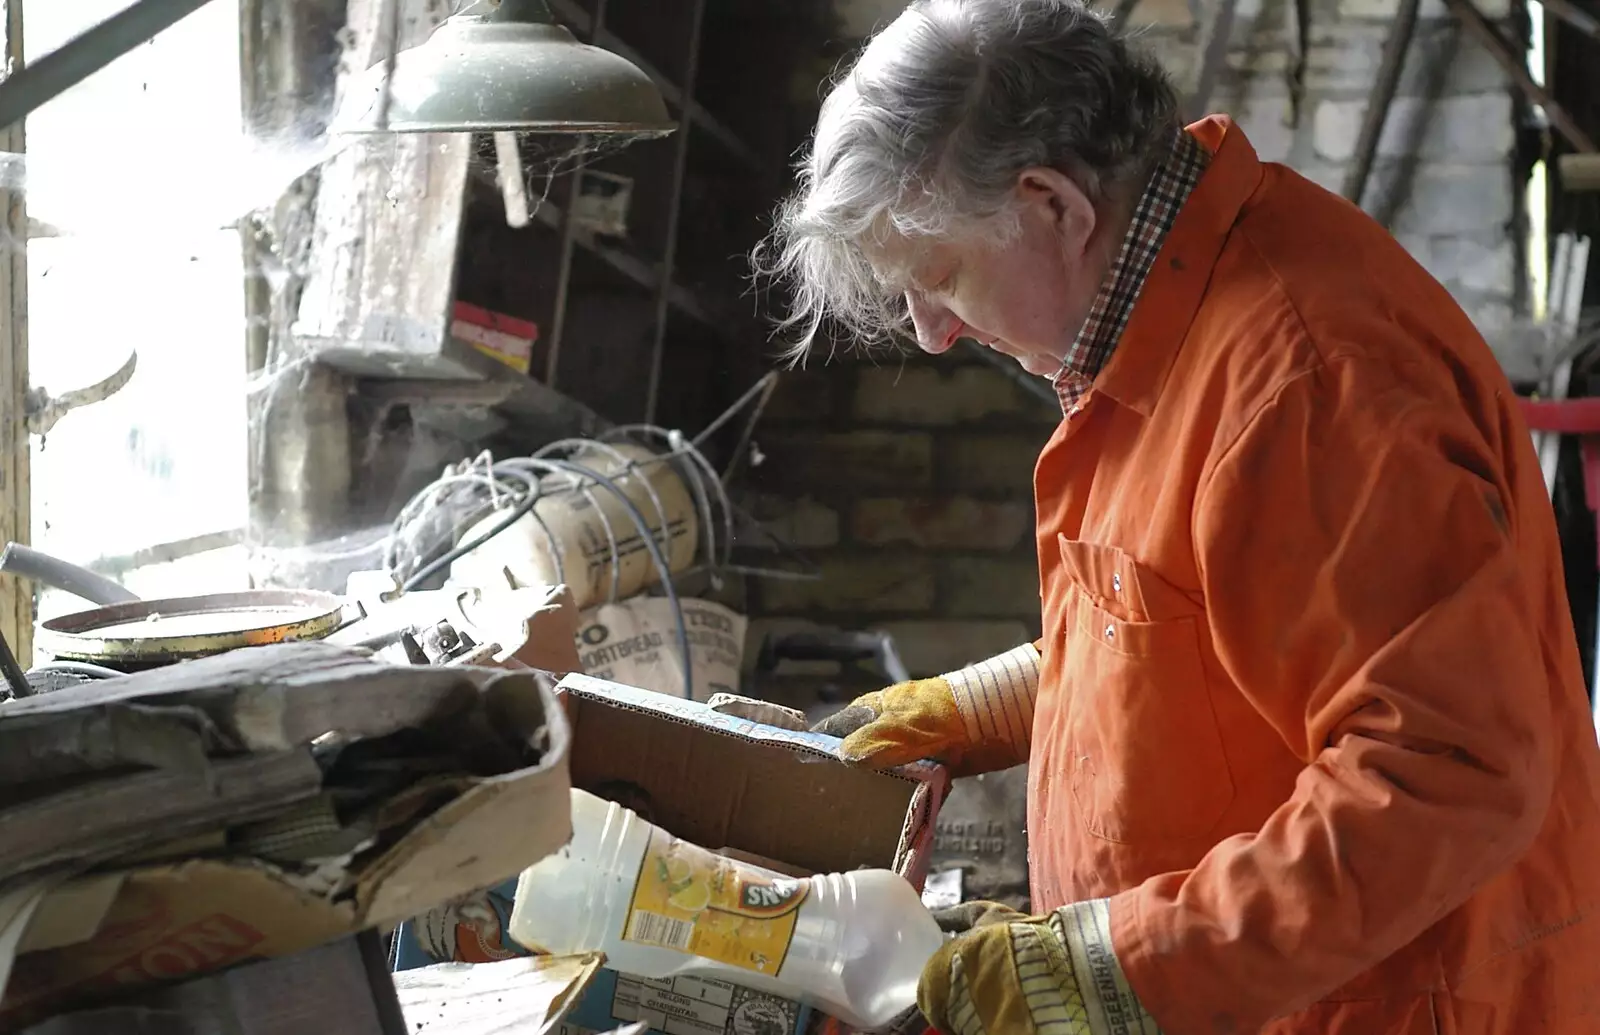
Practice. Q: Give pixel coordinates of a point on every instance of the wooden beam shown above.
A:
(669, 261)
(1574, 16)
(1214, 54)
(16, 517)
(1294, 76)
(1579, 172)
(1380, 100)
(572, 12)
(1512, 64)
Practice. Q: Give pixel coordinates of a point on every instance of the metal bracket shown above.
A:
(44, 409)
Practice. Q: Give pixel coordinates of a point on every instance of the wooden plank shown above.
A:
(634, 268)
(1380, 100)
(574, 14)
(1574, 16)
(669, 261)
(1579, 172)
(1514, 65)
(389, 217)
(16, 596)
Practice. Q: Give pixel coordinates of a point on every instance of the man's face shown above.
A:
(1025, 297)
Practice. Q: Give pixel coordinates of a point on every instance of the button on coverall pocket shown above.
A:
(1148, 766)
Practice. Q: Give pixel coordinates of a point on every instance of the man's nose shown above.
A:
(936, 326)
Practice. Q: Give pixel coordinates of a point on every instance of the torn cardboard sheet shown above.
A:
(183, 917)
(103, 819)
(526, 996)
(18, 904)
(259, 699)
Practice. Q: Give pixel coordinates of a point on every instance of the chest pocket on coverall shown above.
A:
(1147, 764)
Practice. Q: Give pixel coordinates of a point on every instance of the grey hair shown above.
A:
(924, 136)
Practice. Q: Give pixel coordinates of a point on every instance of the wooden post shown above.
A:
(16, 595)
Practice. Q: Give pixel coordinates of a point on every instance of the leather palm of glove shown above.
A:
(1008, 973)
(975, 720)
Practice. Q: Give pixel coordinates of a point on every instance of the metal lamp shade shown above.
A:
(511, 70)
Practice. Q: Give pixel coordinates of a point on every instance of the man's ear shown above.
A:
(1060, 201)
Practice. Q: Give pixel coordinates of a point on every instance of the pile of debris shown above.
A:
(170, 824)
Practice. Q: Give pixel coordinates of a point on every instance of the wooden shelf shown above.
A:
(537, 410)
(571, 12)
(642, 272)
(629, 265)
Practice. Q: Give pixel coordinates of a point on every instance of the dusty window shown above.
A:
(132, 200)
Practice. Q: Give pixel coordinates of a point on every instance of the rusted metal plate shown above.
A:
(152, 632)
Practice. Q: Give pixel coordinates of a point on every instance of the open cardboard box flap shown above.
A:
(166, 922)
(722, 781)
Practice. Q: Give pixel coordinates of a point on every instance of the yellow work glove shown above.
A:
(969, 916)
(957, 919)
(975, 720)
(1054, 973)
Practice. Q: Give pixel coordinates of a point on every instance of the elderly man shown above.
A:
(1308, 740)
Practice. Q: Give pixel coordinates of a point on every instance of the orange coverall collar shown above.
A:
(1137, 370)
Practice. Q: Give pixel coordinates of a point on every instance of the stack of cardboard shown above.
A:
(777, 797)
(173, 823)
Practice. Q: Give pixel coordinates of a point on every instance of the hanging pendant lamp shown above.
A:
(506, 67)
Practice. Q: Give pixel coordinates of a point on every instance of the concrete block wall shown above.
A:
(910, 484)
(1443, 178)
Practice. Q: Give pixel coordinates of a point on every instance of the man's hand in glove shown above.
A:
(975, 720)
(969, 916)
(952, 920)
(1017, 975)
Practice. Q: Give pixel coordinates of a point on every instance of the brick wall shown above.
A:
(910, 484)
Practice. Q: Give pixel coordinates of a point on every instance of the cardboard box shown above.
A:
(496, 335)
(719, 780)
(723, 782)
(169, 922)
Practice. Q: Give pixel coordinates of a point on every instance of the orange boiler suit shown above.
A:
(1310, 715)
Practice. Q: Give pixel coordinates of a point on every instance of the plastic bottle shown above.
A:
(853, 944)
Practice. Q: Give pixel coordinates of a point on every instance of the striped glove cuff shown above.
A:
(995, 698)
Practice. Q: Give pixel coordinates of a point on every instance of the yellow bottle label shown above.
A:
(698, 902)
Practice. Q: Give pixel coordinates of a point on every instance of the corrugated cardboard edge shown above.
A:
(72, 913)
(445, 848)
(933, 780)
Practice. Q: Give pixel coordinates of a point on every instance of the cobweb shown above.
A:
(142, 188)
(525, 166)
